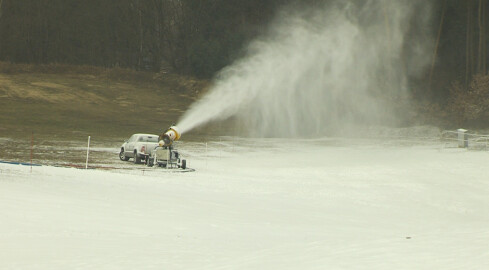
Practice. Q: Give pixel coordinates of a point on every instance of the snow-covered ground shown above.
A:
(272, 204)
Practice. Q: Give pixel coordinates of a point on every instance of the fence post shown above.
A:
(88, 150)
(463, 140)
(32, 146)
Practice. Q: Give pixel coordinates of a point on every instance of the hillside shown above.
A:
(248, 206)
(63, 100)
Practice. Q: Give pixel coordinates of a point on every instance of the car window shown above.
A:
(148, 139)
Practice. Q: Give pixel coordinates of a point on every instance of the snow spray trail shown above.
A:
(321, 70)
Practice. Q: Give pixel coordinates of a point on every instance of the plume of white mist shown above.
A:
(321, 70)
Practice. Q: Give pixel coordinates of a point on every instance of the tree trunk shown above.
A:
(481, 36)
(468, 64)
(1, 1)
(140, 38)
(435, 53)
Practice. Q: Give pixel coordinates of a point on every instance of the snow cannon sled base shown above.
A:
(168, 158)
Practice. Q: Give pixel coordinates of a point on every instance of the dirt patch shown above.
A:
(107, 103)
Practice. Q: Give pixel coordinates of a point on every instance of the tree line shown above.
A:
(460, 52)
(195, 37)
(199, 37)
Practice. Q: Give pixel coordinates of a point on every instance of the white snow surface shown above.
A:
(278, 205)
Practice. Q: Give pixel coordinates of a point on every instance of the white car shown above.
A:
(138, 147)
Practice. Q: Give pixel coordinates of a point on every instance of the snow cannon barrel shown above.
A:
(169, 136)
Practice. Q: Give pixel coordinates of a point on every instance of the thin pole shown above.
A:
(32, 146)
(88, 150)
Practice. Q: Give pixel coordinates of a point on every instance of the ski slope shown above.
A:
(273, 204)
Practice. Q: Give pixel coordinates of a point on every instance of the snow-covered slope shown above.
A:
(279, 205)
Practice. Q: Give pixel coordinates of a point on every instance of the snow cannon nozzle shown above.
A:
(170, 136)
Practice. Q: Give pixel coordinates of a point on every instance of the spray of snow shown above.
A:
(321, 70)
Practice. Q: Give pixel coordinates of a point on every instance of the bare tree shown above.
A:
(1, 1)
(481, 38)
(435, 53)
(468, 45)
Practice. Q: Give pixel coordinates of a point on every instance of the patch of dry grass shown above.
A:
(66, 100)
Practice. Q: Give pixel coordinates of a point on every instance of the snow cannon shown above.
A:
(171, 135)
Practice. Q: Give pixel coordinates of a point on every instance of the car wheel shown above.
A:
(137, 159)
(184, 164)
(122, 156)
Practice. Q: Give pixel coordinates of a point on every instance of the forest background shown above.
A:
(199, 37)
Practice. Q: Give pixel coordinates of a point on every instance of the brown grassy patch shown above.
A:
(69, 101)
